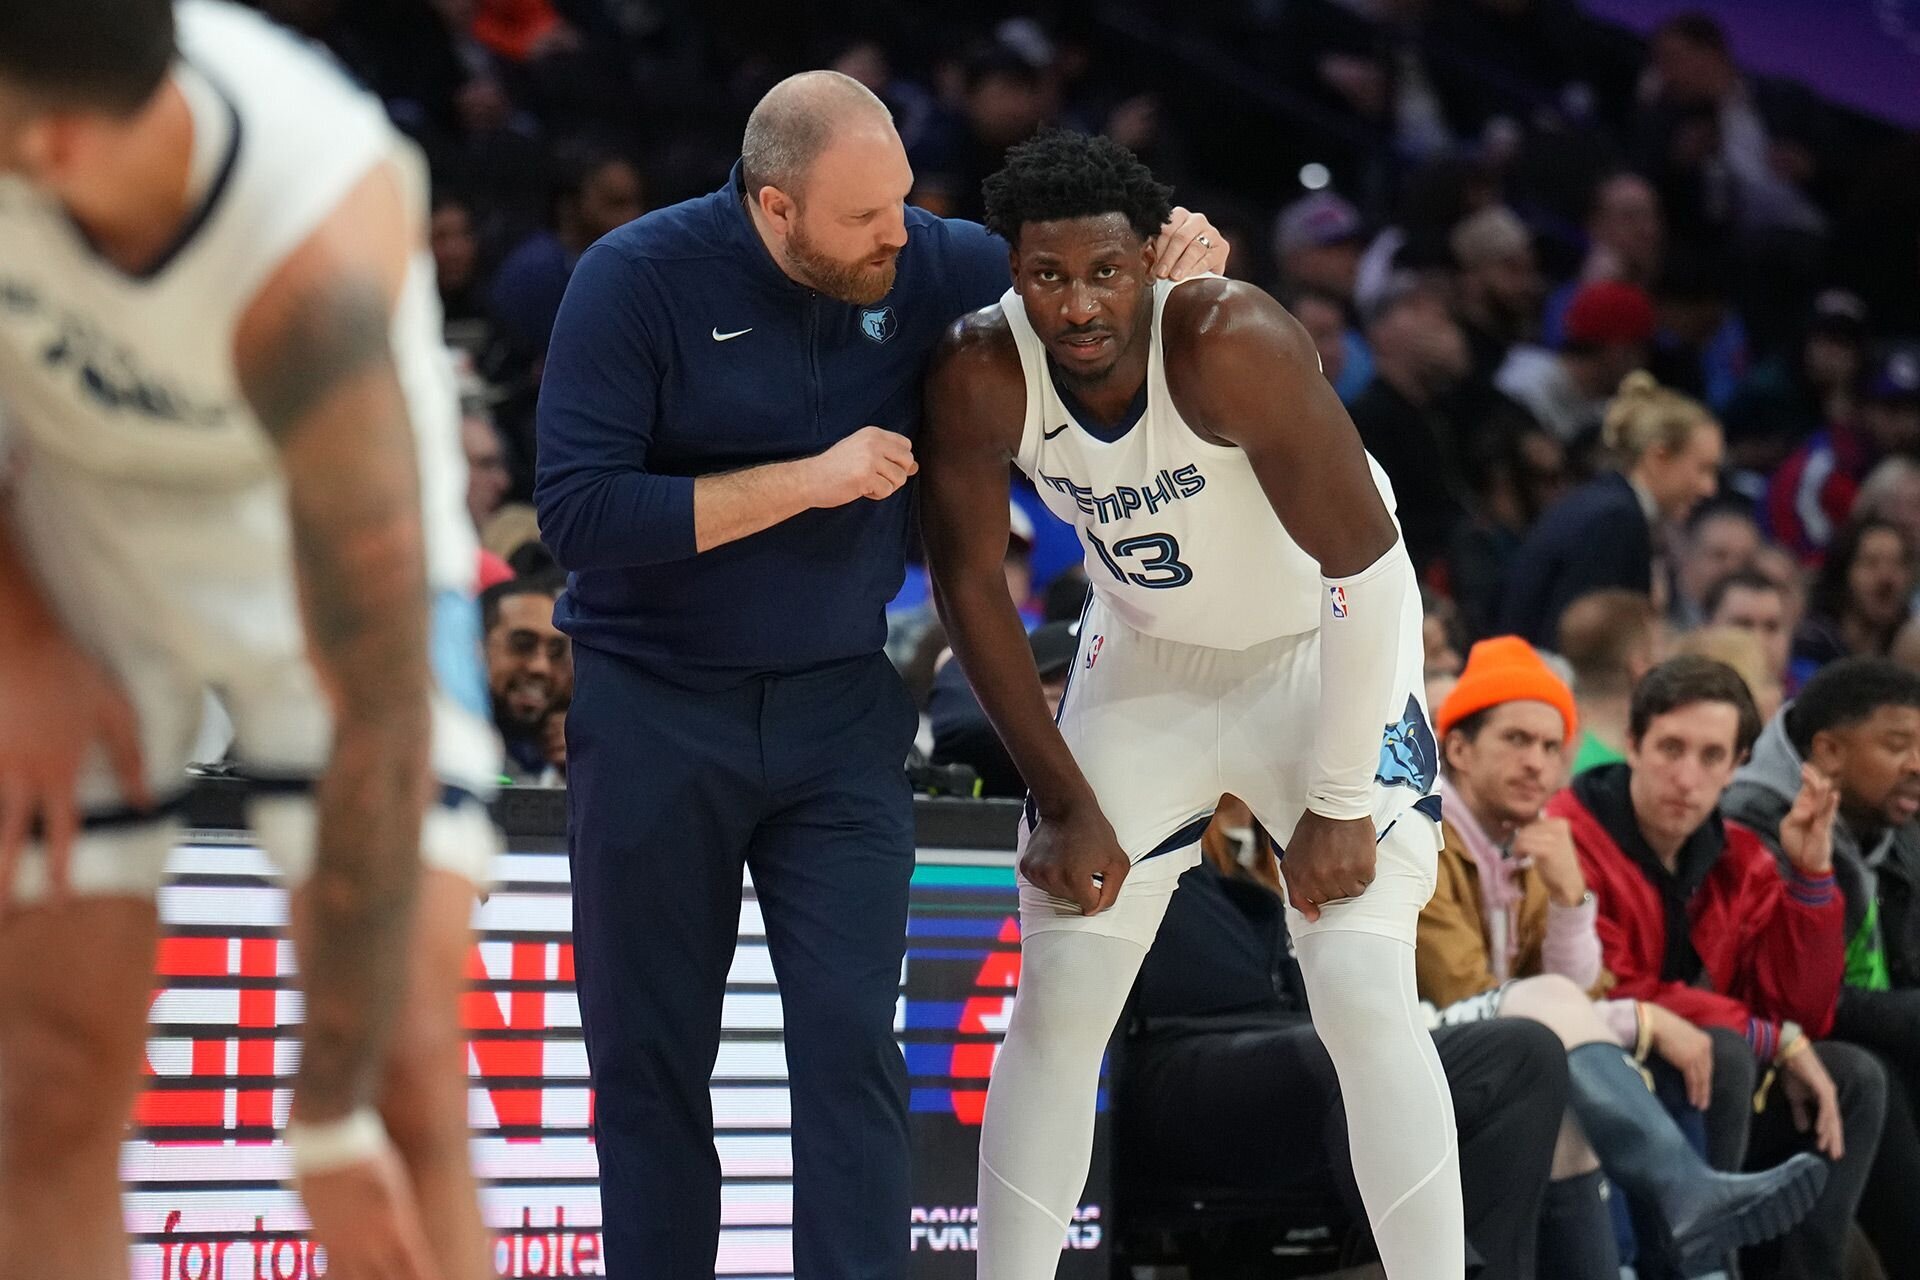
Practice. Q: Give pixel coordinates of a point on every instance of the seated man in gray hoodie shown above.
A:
(1858, 723)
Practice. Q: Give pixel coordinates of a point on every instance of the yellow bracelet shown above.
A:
(1643, 1041)
(1793, 1048)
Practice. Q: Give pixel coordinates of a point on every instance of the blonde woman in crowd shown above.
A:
(1607, 532)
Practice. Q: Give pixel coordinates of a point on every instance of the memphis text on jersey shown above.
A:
(1167, 488)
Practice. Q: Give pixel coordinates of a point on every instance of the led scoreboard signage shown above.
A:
(205, 1177)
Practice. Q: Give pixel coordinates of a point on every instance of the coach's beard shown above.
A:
(859, 282)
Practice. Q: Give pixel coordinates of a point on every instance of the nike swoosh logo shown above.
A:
(1048, 435)
(729, 337)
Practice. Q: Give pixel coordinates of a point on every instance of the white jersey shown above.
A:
(1180, 540)
(129, 381)
(147, 497)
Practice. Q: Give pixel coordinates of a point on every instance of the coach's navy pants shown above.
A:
(802, 779)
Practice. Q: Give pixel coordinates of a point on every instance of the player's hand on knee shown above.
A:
(56, 704)
(1327, 860)
(1077, 858)
(365, 1217)
(871, 463)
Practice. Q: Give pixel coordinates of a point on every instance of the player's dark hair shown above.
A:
(97, 55)
(550, 583)
(1738, 580)
(1060, 175)
(1683, 681)
(1845, 693)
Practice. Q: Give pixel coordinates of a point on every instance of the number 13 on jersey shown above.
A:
(1157, 556)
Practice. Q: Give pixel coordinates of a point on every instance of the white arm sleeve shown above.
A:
(1363, 621)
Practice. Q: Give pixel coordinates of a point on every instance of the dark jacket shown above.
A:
(1877, 880)
(682, 350)
(1595, 537)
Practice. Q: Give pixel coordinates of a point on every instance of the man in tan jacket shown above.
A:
(1509, 933)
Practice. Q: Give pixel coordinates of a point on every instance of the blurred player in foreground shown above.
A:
(234, 463)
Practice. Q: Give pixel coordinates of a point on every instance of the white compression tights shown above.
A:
(1406, 1157)
(1038, 1134)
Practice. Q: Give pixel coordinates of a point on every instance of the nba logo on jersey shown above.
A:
(878, 324)
(1093, 650)
(1339, 595)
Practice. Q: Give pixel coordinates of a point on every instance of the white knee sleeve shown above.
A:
(1399, 1113)
(1037, 1137)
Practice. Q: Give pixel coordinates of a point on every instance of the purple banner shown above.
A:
(1863, 53)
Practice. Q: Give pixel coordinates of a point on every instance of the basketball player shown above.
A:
(1254, 628)
(230, 413)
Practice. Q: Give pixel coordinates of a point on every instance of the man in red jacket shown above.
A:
(1694, 916)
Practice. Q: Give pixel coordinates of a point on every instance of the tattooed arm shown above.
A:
(316, 361)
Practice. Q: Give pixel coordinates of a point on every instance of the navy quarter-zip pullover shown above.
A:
(683, 350)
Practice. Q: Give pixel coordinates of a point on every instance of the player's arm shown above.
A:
(975, 406)
(601, 505)
(315, 357)
(1244, 371)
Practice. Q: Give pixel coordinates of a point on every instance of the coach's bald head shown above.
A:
(826, 180)
(799, 119)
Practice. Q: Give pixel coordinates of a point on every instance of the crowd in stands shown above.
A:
(1635, 335)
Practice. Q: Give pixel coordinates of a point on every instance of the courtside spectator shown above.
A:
(1695, 916)
(1510, 934)
(1857, 724)
(529, 668)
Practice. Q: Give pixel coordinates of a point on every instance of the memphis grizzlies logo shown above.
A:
(878, 323)
(1408, 756)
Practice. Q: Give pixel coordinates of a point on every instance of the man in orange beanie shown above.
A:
(1510, 933)
(1510, 899)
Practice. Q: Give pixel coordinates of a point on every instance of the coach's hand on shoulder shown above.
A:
(1189, 245)
(871, 463)
(1327, 860)
(56, 704)
(1066, 853)
(365, 1217)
